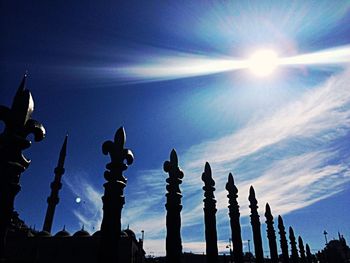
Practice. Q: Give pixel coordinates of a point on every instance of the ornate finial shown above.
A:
(271, 234)
(173, 207)
(234, 220)
(13, 140)
(283, 240)
(293, 244)
(209, 215)
(255, 222)
(308, 254)
(118, 154)
(113, 199)
(301, 250)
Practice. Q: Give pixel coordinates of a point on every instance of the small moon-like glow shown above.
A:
(78, 200)
(263, 62)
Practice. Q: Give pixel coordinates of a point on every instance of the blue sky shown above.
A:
(169, 73)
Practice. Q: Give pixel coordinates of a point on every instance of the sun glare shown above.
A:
(263, 62)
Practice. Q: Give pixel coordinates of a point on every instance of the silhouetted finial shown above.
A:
(63, 153)
(271, 234)
(251, 193)
(301, 250)
(234, 220)
(283, 240)
(173, 207)
(293, 244)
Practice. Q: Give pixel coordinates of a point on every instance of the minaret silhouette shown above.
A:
(56, 185)
(255, 222)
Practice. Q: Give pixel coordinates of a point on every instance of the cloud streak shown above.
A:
(289, 157)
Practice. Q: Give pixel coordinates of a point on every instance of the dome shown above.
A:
(43, 234)
(130, 233)
(62, 233)
(81, 233)
(123, 234)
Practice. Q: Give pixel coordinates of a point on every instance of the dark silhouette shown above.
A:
(271, 234)
(308, 254)
(234, 220)
(301, 250)
(56, 185)
(209, 215)
(113, 199)
(293, 244)
(283, 240)
(173, 207)
(18, 125)
(255, 222)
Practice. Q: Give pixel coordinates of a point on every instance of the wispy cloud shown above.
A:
(289, 157)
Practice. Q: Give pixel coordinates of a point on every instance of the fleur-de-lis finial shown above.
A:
(118, 156)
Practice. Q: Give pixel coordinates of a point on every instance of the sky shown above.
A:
(180, 75)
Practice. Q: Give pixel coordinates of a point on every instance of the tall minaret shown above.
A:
(56, 185)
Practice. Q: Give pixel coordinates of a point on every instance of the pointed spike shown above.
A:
(120, 137)
(64, 146)
(173, 157)
(251, 191)
(280, 220)
(230, 179)
(22, 85)
(207, 169)
(291, 231)
(267, 209)
(64, 227)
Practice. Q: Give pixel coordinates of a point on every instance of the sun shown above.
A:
(263, 62)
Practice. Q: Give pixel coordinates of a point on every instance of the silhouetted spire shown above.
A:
(255, 222)
(113, 198)
(234, 220)
(56, 185)
(173, 207)
(283, 240)
(13, 140)
(294, 252)
(301, 250)
(209, 215)
(308, 254)
(271, 234)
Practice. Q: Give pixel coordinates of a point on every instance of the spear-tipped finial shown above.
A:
(63, 153)
(271, 234)
(255, 222)
(301, 250)
(209, 215)
(308, 254)
(283, 240)
(173, 207)
(234, 220)
(293, 244)
(251, 193)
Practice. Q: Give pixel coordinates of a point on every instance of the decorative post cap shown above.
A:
(118, 154)
(230, 185)
(171, 166)
(207, 176)
(280, 220)
(252, 194)
(268, 213)
(291, 231)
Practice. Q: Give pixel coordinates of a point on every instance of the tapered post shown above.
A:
(234, 220)
(56, 185)
(113, 199)
(301, 250)
(308, 254)
(293, 244)
(255, 222)
(13, 140)
(210, 215)
(271, 234)
(283, 240)
(173, 207)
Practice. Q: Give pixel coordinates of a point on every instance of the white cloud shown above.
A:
(289, 181)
